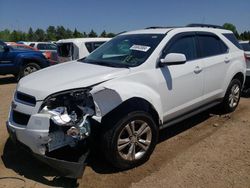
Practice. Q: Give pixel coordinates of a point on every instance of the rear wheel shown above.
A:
(131, 140)
(232, 96)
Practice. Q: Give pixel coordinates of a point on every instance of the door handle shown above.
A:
(197, 70)
(227, 60)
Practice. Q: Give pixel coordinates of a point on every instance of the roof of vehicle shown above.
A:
(76, 40)
(41, 42)
(164, 30)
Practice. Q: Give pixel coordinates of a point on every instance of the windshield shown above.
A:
(125, 50)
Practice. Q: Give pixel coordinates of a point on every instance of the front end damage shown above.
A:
(58, 133)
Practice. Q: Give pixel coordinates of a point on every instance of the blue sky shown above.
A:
(117, 16)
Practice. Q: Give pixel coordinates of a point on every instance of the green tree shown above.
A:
(92, 33)
(31, 35)
(231, 27)
(16, 36)
(77, 34)
(111, 35)
(5, 35)
(60, 33)
(51, 33)
(84, 34)
(103, 34)
(69, 34)
(40, 34)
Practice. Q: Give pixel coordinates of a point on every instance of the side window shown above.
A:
(97, 44)
(233, 39)
(32, 44)
(41, 46)
(89, 46)
(184, 45)
(211, 45)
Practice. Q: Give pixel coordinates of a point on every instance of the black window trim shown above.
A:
(177, 37)
(197, 45)
(205, 33)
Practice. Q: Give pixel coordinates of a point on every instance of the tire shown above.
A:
(131, 140)
(232, 96)
(28, 69)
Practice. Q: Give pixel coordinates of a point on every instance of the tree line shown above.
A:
(53, 33)
(242, 36)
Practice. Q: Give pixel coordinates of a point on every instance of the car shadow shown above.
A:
(7, 80)
(24, 164)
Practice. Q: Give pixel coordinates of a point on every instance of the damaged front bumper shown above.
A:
(51, 147)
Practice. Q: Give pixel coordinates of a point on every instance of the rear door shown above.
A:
(215, 59)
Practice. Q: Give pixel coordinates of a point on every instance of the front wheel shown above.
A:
(131, 140)
(232, 96)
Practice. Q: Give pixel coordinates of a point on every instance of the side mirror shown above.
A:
(173, 59)
(6, 48)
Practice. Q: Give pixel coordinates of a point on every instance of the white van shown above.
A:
(77, 48)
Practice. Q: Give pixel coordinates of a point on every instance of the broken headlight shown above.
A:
(70, 110)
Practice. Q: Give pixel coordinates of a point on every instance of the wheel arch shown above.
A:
(133, 104)
(240, 77)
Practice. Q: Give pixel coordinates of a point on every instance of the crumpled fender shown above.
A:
(106, 98)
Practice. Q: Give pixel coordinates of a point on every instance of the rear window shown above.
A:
(91, 46)
(246, 46)
(233, 39)
(211, 45)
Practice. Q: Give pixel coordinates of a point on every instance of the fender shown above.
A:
(107, 98)
(236, 67)
(27, 57)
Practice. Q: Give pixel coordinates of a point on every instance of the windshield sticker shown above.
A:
(140, 48)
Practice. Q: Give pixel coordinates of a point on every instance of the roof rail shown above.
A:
(205, 25)
(161, 27)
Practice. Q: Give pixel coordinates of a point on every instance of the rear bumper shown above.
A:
(72, 167)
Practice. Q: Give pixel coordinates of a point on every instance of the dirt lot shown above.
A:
(204, 151)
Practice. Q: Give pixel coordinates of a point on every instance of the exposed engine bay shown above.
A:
(69, 118)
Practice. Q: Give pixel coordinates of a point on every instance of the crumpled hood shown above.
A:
(66, 76)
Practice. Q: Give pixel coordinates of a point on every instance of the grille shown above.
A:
(20, 118)
(26, 99)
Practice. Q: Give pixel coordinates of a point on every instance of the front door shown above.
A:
(181, 86)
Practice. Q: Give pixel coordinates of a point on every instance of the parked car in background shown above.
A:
(124, 92)
(20, 62)
(246, 47)
(44, 46)
(77, 48)
(49, 49)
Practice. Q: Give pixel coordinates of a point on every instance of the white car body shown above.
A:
(173, 91)
(78, 48)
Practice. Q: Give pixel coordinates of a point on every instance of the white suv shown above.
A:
(124, 92)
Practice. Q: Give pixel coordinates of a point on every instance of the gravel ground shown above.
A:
(206, 150)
